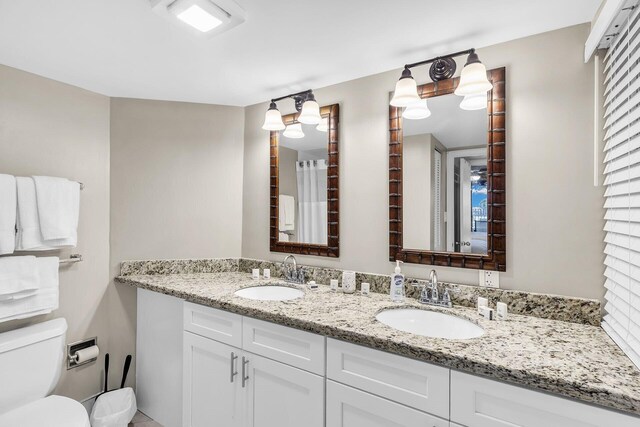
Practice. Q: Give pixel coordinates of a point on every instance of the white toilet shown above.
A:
(31, 360)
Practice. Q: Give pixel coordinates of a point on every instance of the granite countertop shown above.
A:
(570, 359)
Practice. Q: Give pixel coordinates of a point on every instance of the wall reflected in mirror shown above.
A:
(444, 176)
(302, 178)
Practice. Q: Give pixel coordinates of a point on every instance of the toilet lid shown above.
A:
(52, 411)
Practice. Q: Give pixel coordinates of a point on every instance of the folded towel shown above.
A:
(58, 201)
(18, 277)
(29, 237)
(283, 237)
(8, 206)
(45, 300)
(286, 213)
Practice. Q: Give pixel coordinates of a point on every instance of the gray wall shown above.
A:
(50, 128)
(554, 215)
(176, 190)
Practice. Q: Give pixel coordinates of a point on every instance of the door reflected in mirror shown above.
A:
(444, 177)
(303, 157)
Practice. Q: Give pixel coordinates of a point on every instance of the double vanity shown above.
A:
(216, 347)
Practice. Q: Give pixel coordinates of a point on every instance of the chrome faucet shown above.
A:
(430, 295)
(295, 275)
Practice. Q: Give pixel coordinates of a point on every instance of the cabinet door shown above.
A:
(211, 383)
(349, 407)
(279, 395)
(480, 402)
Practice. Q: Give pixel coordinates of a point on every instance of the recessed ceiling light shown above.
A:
(199, 19)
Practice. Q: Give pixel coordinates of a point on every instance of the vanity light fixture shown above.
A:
(306, 105)
(473, 79)
(273, 118)
(294, 131)
(323, 126)
(474, 102)
(416, 111)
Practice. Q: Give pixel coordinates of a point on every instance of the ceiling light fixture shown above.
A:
(473, 79)
(203, 18)
(306, 105)
(294, 131)
(416, 111)
(199, 19)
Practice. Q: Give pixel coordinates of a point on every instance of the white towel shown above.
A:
(29, 237)
(18, 277)
(45, 300)
(283, 237)
(8, 206)
(58, 208)
(286, 213)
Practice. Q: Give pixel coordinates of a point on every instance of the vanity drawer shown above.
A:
(349, 407)
(293, 347)
(211, 323)
(481, 402)
(417, 384)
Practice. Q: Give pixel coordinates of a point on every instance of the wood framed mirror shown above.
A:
(447, 182)
(305, 208)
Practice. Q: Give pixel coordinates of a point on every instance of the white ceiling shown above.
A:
(121, 48)
(451, 125)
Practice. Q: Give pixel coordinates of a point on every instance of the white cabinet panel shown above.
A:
(211, 391)
(278, 395)
(287, 345)
(410, 382)
(480, 402)
(159, 357)
(348, 407)
(216, 324)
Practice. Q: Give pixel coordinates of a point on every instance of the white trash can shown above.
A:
(114, 409)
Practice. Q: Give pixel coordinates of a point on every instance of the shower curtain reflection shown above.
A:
(312, 201)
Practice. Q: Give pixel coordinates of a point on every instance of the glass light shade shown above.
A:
(474, 102)
(406, 93)
(273, 120)
(294, 131)
(417, 110)
(310, 114)
(473, 80)
(323, 126)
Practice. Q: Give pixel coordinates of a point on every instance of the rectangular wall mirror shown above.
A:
(304, 186)
(446, 178)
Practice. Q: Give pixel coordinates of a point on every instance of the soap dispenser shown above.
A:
(396, 291)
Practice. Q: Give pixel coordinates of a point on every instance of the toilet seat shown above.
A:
(52, 411)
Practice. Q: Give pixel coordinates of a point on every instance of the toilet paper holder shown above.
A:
(73, 348)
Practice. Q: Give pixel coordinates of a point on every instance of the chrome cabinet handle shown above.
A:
(233, 371)
(245, 374)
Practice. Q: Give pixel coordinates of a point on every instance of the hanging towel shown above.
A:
(29, 237)
(8, 206)
(18, 277)
(283, 237)
(286, 213)
(46, 298)
(58, 201)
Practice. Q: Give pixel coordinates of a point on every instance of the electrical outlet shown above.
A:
(489, 279)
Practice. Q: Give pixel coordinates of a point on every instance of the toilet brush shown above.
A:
(106, 373)
(127, 363)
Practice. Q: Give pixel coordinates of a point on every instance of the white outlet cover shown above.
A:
(489, 279)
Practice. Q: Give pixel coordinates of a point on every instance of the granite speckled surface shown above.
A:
(568, 309)
(569, 359)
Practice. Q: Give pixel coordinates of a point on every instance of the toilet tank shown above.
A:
(31, 361)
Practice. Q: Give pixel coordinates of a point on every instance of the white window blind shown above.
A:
(622, 183)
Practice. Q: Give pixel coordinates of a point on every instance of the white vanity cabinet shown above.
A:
(226, 385)
(236, 371)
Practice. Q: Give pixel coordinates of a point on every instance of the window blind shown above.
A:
(622, 188)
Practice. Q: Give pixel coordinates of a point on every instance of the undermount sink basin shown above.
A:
(270, 293)
(430, 323)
